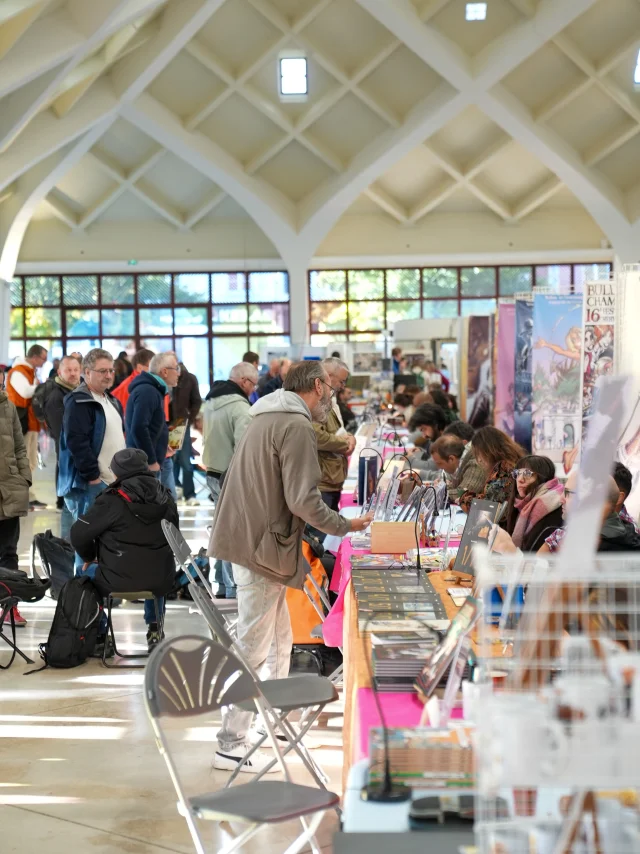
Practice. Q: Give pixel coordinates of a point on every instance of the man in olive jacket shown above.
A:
(270, 492)
(15, 479)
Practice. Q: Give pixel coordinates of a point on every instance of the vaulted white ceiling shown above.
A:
(165, 113)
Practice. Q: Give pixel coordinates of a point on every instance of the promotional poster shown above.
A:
(505, 368)
(599, 314)
(557, 355)
(479, 375)
(522, 366)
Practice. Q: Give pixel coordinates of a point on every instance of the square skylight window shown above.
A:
(476, 12)
(636, 73)
(293, 81)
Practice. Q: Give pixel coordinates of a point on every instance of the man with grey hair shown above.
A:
(226, 416)
(146, 415)
(334, 443)
(91, 434)
(270, 492)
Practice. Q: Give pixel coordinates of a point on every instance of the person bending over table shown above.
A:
(269, 493)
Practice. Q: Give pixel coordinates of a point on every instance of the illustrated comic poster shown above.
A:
(505, 368)
(599, 341)
(479, 374)
(522, 369)
(557, 354)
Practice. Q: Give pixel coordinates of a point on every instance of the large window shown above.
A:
(209, 319)
(356, 305)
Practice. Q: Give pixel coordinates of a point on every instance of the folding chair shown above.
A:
(310, 584)
(130, 597)
(6, 607)
(192, 676)
(306, 693)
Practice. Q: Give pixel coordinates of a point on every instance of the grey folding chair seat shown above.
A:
(268, 802)
(192, 676)
(297, 692)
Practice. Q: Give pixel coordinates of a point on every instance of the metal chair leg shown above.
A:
(127, 656)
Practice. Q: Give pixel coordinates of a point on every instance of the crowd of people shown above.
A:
(274, 450)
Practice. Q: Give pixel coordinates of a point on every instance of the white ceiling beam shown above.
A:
(61, 210)
(272, 211)
(561, 99)
(435, 198)
(34, 187)
(210, 205)
(149, 196)
(387, 203)
(46, 134)
(97, 21)
(609, 144)
(536, 198)
(8, 192)
(498, 206)
(10, 9)
(13, 28)
(481, 162)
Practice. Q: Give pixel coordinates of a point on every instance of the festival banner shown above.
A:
(522, 370)
(505, 368)
(557, 354)
(479, 375)
(599, 341)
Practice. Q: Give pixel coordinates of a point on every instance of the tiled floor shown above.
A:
(79, 770)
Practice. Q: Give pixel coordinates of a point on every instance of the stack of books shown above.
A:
(395, 600)
(396, 666)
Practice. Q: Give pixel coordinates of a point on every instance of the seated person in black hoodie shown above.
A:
(121, 540)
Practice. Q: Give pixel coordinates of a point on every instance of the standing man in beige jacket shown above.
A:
(270, 492)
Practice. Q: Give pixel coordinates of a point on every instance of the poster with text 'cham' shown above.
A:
(599, 342)
(557, 355)
(505, 368)
(522, 368)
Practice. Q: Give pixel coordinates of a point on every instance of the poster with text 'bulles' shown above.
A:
(557, 353)
(522, 365)
(599, 313)
(505, 368)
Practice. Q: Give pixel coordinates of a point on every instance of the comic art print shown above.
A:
(557, 355)
(522, 370)
(505, 368)
(599, 341)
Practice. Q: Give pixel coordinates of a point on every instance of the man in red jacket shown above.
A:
(140, 362)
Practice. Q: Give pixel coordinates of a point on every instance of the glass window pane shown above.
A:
(191, 287)
(478, 281)
(477, 306)
(440, 282)
(16, 292)
(158, 345)
(328, 315)
(228, 287)
(117, 345)
(268, 287)
(440, 308)
(227, 352)
(365, 284)
(83, 345)
(514, 280)
(366, 315)
(403, 284)
(229, 318)
(368, 338)
(194, 353)
(118, 321)
(116, 290)
(407, 310)
(156, 321)
(264, 342)
(328, 284)
(82, 321)
(43, 322)
(42, 290)
(589, 273)
(269, 318)
(80, 290)
(16, 349)
(154, 288)
(321, 340)
(556, 277)
(17, 322)
(191, 321)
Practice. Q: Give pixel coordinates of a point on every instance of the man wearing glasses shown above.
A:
(92, 432)
(145, 419)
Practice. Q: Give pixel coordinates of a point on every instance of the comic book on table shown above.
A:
(478, 529)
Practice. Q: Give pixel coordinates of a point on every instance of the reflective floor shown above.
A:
(79, 770)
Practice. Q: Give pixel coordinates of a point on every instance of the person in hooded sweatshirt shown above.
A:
(226, 414)
(120, 538)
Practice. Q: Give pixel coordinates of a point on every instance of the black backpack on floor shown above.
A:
(74, 629)
(15, 582)
(57, 558)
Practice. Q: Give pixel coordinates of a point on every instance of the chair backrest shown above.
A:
(213, 617)
(179, 546)
(192, 675)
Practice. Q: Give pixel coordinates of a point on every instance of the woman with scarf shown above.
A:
(535, 507)
(497, 454)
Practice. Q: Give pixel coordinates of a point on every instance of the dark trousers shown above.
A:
(183, 467)
(332, 500)
(9, 536)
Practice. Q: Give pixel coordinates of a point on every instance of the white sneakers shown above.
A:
(189, 502)
(230, 759)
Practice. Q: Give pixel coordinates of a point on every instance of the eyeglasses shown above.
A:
(103, 371)
(570, 491)
(175, 368)
(330, 387)
(516, 473)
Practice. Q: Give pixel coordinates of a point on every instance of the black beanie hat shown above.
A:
(128, 462)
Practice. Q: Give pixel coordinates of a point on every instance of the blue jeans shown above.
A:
(149, 607)
(182, 466)
(223, 570)
(77, 502)
(167, 477)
